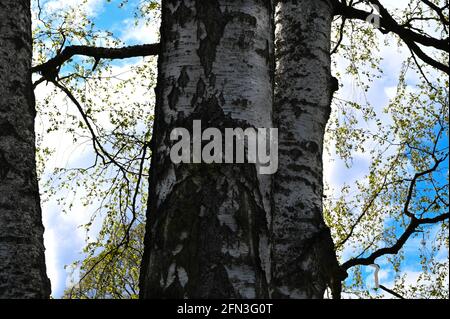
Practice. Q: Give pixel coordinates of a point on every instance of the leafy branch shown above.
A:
(388, 24)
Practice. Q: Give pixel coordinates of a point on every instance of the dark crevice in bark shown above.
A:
(214, 21)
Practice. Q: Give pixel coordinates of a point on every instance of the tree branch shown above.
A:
(410, 229)
(394, 249)
(51, 68)
(341, 36)
(438, 10)
(409, 37)
(367, 206)
(392, 292)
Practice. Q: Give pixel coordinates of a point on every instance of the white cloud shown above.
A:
(390, 91)
(396, 5)
(90, 7)
(140, 32)
(64, 240)
(51, 254)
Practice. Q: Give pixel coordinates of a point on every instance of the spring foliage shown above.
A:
(397, 148)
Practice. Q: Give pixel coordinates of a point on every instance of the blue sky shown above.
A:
(64, 239)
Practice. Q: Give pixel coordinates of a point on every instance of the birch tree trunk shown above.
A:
(304, 261)
(207, 226)
(22, 262)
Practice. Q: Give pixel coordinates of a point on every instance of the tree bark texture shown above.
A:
(22, 261)
(304, 261)
(208, 224)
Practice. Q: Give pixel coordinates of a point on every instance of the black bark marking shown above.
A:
(7, 129)
(243, 42)
(244, 103)
(212, 80)
(265, 53)
(296, 153)
(310, 146)
(17, 240)
(209, 13)
(173, 97)
(5, 167)
(303, 168)
(183, 14)
(183, 80)
(244, 18)
(18, 41)
(199, 93)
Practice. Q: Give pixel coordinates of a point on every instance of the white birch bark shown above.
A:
(207, 228)
(304, 262)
